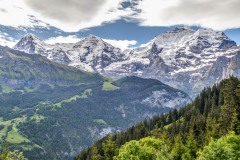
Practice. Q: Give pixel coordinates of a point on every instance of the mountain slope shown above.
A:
(57, 122)
(183, 58)
(180, 134)
(51, 111)
(21, 69)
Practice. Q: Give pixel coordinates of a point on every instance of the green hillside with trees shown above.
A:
(52, 111)
(206, 129)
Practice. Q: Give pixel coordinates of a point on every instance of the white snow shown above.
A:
(162, 99)
(182, 57)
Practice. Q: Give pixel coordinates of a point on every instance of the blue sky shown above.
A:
(233, 34)
(126, 22)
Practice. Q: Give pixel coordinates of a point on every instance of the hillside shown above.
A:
(208, 128)
(52, 111)
(21, 70)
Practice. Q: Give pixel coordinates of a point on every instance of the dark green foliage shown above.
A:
(235, 125)
(186, 131)
(1, 127)
(109, 148)
(67, 126)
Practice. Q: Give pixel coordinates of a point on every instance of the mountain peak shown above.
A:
(173, 36)
(210, 38)
(211, 32)
(29, 43)
(93, 37)
(89, 41)
(182, 28)
(30, 37)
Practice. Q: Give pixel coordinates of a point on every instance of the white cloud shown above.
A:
(5, 40)
(75, 15)
(70, 15)
(218, 15)
(122, 44)
(15, 13)
(62, 39)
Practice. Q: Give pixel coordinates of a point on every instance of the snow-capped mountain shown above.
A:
(90, 54)
(183, 58)
(33, 45)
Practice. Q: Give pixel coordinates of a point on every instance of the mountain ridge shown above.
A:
(22, 69)
(182, 58)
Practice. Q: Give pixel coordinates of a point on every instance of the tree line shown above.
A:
(208, 128)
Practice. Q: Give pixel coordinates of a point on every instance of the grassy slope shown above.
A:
(83, 95)
(26, 73)
(15, 65)
(108, 86)
(15, 137)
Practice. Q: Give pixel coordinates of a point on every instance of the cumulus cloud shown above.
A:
(122, 44)
(72, 11)
(62, 39)
(69, 16)
(73, 15)
(15, 13)
(218, 15)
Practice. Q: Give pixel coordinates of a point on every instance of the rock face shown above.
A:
(183, 58)
(33, 45)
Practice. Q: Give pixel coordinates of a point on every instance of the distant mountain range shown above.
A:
(183, 58)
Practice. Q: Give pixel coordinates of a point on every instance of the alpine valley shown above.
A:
(52, 111)
(56, 100)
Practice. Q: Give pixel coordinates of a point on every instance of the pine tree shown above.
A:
(109, 148)
(178, 148)
(191, 147)
(231, 99)
(220, 99)
(94, 153)
(225, 119)
(235, 125)
(212, 129)
(169, 117)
